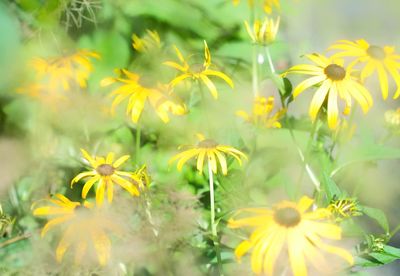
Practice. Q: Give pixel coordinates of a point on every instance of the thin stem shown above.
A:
(393, 232)
(147, 204)
(15, 239)
(255, 70)
(213, 225)
(269, 58)
(137, 149)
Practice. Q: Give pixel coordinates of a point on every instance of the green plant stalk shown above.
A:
(213, 225)
(137, 141)
(269, 58)
(254, 73)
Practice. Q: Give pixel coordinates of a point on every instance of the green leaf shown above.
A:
(378, 215)
(330, 186)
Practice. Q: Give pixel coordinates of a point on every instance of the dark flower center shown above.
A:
(376, 52)
(105, 169)
(207, 143)
(287, 216)
(335, 72)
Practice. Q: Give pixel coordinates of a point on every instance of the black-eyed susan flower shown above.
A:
(150, 41)
(60, 73)
(105, 174)
(268, 5)
(160, 98)
(333, 81)
(85, 228)
(264, 32)
(288, 227)
(383, 60)
(262, 114)
(209, 150)
(198, 71)
(392, 120)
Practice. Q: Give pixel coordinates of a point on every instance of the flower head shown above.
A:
(262, 113)
(383, 60)
(334, 82)
(211, 151)
(289, 227)
(198, 71)
(160, 98)
(263, 33)
(60, 73)
(105, 173)
(85, 228)
(344, 208)
(150, 41)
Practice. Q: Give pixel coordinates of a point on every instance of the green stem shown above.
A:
(137, 149)
(255, 70)
(305, 158)
(269, 58)
(213, 225)
(393, 232)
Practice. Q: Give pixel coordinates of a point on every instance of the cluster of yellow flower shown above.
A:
(288, 224)
(87, 228)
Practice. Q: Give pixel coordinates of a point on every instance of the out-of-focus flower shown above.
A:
(344, 132)
(210, 150)
(59, 73)
(334, 82)
(262, 113)
(288, 226)
(143, 175)
(268, 5)
(86, 228)
(160, 98)
(265, 32)
(384, 60)
(105, 174)
(150, 41)
(344, 208)
(198, 71)
(392, 119)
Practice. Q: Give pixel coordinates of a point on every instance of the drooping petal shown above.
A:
(88, 185)
(318, 99)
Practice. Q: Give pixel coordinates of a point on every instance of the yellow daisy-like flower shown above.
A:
(85, 228)
(105, 173)
(160, 98)
(383, 60)
(210, 149)
(66, 70)
(289, 227)
(262, 113)
(334, 82)
(198, 71)
(268, 5)
(263, 33)
(151, 40)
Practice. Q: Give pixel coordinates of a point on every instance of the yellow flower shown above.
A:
(150, 41)
(334, 81)
(263, 33)
(210, 149)
(344, 208)
(289, 227)
(384, 60)
(262, 113)
(66, 70)
(105, 173)
(85, 228)
(160, 98)
(267, 5)
(198, 71)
